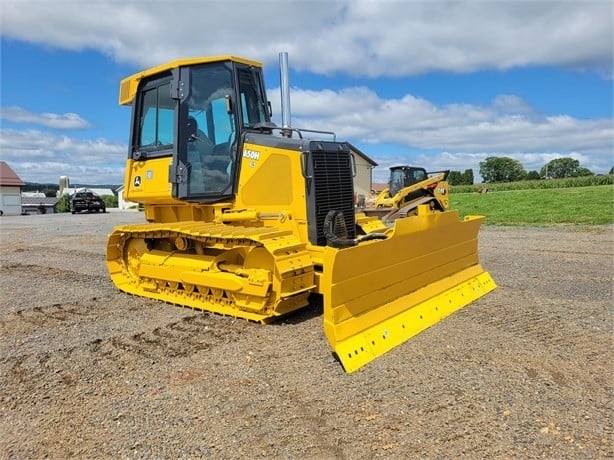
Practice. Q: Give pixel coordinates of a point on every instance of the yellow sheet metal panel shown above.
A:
(148, 181)
(421, 250)
(271, 185)
(128, 86)
(371, 288)
(378, 338)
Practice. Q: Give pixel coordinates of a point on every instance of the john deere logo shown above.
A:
(137, 181)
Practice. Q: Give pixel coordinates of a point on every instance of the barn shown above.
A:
(10, 191)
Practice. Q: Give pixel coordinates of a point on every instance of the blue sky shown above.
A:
(438, 84)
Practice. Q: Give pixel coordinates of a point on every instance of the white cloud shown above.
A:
(360, 38)
(49, 120)
(371, 38)
(452, 136)
(509, 103)
(38, 156)
(418, 123)
(449, 136)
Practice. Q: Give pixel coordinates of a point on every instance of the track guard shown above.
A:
(381, 293)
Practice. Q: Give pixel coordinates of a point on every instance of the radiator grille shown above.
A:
(331, 188)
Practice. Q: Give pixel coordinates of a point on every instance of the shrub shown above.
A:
(63, 204)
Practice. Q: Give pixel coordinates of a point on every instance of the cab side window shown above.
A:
(252, 108)
(157, 118)
(419, 175)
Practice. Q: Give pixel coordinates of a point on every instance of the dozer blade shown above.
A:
(381, 293)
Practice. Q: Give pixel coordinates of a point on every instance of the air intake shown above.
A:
(330, 187)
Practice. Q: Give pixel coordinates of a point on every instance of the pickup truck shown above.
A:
(86, 201)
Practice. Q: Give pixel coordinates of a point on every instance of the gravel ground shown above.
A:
(89, 372)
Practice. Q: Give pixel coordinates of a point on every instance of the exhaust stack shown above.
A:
(284, 85)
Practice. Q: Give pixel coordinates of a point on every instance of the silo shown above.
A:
(64, 184)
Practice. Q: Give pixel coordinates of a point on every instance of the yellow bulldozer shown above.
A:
(252, 220)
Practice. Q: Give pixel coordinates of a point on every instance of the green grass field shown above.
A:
(593, 205)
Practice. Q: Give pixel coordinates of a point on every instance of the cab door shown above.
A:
(152, 143)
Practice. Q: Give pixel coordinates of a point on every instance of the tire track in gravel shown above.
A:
(547, 324)
(178, 339)
(58, 258)
(16, 273)
(36, 271)
(33, 286)
(39, 317)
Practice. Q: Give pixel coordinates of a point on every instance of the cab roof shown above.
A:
(129, 85)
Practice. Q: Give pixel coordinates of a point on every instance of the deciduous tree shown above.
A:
(468, 177)
(564, 167)
(455, 178)
(501, 169)
(581, 172)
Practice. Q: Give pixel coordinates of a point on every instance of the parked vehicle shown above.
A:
(86, 200)
(408, 188)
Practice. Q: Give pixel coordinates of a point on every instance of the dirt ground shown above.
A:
(89, 372)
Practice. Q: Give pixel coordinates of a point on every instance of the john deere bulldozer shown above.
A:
(251, 220)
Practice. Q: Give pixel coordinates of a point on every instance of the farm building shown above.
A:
(38, 203)
(10, 190)
(364, 167)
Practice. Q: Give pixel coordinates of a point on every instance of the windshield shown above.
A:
(210, 129)
(397, 181)
(214, 114)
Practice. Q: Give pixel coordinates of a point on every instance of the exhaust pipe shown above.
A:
(284, 85)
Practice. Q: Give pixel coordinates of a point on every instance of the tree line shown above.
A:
(505, 169)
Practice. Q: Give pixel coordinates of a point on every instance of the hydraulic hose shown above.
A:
(336, 241)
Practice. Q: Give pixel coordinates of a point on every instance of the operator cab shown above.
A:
(195, 111)
(404, 176)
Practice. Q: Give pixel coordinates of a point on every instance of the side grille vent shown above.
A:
(330, 187)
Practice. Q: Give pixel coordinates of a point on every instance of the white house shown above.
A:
(122, 203)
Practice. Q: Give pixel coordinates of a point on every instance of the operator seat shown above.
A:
(199, 146)
(209, 162)
(197, 139)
